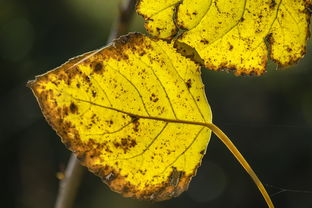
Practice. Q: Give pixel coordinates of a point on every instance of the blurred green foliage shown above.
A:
(269, 118)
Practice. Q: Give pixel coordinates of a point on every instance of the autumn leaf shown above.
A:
(237, 35)
(135, 113)
(97, 102)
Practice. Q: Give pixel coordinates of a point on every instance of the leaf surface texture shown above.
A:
(113, 108)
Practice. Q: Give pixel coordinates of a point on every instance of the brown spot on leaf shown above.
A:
(93, 93)
(204, 41)
(73, 108)
(154, 98)
(188, 83)
(136, 125)
(98, 67)
(231, 47)
(142, 53)
(86, 78)
(272, 4)
(125, 144)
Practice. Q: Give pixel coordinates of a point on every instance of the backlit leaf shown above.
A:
(119, 110)
(234, 34)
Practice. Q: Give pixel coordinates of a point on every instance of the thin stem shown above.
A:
(229, 144)
(74, 171)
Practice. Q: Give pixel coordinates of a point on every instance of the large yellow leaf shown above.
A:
(234, 34)
(112, 108)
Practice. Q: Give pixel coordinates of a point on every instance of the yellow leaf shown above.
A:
(135, 113)
(240, 34)
(96, 102)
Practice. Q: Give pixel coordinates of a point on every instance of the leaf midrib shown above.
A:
(132, 115)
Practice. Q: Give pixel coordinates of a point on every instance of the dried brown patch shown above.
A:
(125, 144)
(73, 108)
(188, 83)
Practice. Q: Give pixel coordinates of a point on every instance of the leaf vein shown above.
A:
(185, 150)
(231, 28)
(136, 89)
(170, 61)
(150, 144)
(110, 132)
(162, 86)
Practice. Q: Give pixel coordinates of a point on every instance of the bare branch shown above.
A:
(69, 185)
(121, 26)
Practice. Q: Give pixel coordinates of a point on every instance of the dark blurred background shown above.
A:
(269, 118)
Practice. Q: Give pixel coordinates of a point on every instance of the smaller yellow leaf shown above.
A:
(237, 35)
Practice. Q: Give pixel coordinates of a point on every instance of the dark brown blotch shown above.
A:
(93, 93)
(153, 98)
(128, 142)
(272, 4)
(73, 108)
(231, 47)
(136, 125)
(188, 83)
(125, 144)
(86, 78)
(204, 41)
(97, 67)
